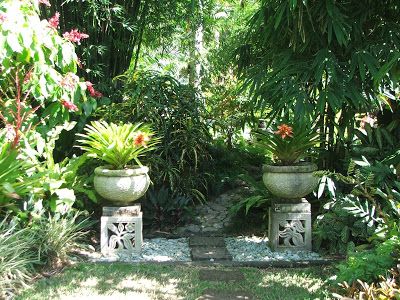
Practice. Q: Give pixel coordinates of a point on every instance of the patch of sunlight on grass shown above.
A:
(305, 281)
(90, 282)
(146, 281)
(302, 284)
(137, 283)
(129, 296)
(146, 285)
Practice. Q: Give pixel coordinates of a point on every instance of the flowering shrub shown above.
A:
(288, 144)
(33, 49)
(39, 91)
(75, 36)
(182, 156)
(55, 21)
(92, 91)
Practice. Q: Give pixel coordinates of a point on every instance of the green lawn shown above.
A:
(149, 281)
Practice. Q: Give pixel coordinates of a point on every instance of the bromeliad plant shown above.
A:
(117, 145)
(288, 145)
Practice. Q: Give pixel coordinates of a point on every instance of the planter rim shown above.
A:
(299, 168)
(127, 172)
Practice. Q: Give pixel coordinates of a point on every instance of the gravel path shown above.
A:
(242, 249)
(160, 249)
(256, 249)
(153, 250)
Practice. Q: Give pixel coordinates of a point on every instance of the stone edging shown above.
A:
(252, 264)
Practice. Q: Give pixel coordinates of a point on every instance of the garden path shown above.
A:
(208, 249)
(213, 217)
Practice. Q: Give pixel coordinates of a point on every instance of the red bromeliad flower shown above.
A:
(141, 139)
(54, 21)
(69, 105)
(75, 36)
(45, 2)
(92, 91)
(284, 130)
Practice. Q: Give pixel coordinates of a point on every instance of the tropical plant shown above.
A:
(337, 230)
(229, 163)
(364, 209)
(179, 116)
(368, 265)
(288, 144)
(375, 142)
(386, 287)
(16, 258)
(38, 68)
(45, 242)
(14, 184)
(117, 144)
(49, 185)
(259, 198)
(56, 237)
(322, 59)
(162, 210)
(228, 104)
(120, 31)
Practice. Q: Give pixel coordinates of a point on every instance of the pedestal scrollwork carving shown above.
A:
(292, 233)
(120, 233)
(121, 236)
(290, 226)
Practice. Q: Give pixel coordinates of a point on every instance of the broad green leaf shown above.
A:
(14, 43)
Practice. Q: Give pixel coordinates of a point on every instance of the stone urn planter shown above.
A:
(290, 183)
(121, 187)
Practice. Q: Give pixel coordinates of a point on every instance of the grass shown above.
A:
(151, 281)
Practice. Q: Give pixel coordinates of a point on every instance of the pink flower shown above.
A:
(69, 105)
(3, 17)
(45, 2)
(79, 63)
(10, 133)
(75, 36)
(54, 20)
(92, 91)
(368, 120)
(69, 81)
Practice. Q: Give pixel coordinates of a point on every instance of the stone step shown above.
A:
(213, 294)
(209, 253)
(220, 275)
(206, 241)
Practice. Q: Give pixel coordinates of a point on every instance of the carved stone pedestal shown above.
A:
(121, 230)
(290, 226)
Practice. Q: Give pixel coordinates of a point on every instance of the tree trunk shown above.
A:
(197, 45)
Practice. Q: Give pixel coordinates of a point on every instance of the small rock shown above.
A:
(193, 228)
(209, 229)
(256, 249)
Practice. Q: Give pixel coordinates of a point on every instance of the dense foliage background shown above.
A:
(201, 73)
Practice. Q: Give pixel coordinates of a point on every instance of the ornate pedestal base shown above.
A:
(290, 226)
(121, 230)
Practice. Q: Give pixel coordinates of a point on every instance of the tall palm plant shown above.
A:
(322, 58)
